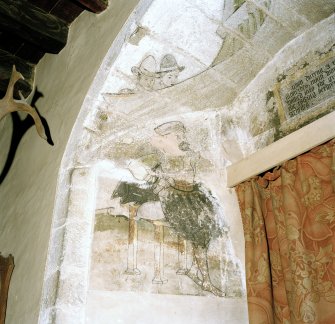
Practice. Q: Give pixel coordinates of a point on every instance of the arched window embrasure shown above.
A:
(143, 216)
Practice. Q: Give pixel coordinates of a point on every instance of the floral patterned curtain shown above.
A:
(289, 223)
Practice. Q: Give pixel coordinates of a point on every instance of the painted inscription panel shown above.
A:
(308, 91)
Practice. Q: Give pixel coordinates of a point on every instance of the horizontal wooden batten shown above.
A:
(33, 25)
(290, 146)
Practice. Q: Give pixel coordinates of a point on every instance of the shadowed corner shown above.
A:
(20, 127)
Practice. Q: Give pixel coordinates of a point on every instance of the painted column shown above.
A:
(159, 254)
(132, 242)
(182, 256)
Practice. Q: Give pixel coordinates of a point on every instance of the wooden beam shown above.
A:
(95, 6)
(33, 24)
(7, 61)
(19, 47)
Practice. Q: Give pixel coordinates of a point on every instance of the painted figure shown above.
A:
(146, 73)
(168, 178)
(133, 195)
(150, 78)
(169, 71)
(188, 207)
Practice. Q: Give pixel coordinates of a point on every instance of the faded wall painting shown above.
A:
(149, 76)
(173, 112)
(159, 228)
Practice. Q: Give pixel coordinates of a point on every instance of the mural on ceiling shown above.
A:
(228, 45)
(161, 229)
(241, 26)
(149, 76)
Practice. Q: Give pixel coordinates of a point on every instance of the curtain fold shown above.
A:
(288, 219)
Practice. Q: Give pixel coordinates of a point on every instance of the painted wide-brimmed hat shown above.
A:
(169, 64)
(147, 67)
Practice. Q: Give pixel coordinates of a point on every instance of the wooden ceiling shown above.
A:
(31, 28)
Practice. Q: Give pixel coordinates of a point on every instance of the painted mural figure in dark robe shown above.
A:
(188, 207)
(134, 195)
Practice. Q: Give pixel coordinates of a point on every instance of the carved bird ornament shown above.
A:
(8, 104)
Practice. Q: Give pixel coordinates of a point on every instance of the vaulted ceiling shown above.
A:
(31, 28)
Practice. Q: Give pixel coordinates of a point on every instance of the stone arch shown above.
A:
(63, 297)
(69, 259)
(66, 282)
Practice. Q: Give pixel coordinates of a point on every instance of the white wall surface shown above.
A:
(27, 194)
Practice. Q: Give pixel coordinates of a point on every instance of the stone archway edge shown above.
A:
(66, 276)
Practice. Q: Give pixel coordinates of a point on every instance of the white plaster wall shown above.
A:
(163, 309)
(27, 194)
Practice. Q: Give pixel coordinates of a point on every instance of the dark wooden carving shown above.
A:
(67, 10)
(33, 24)
(31, 28)
(17, 46)
(95, 6)
(7, 60)
(6, 269)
